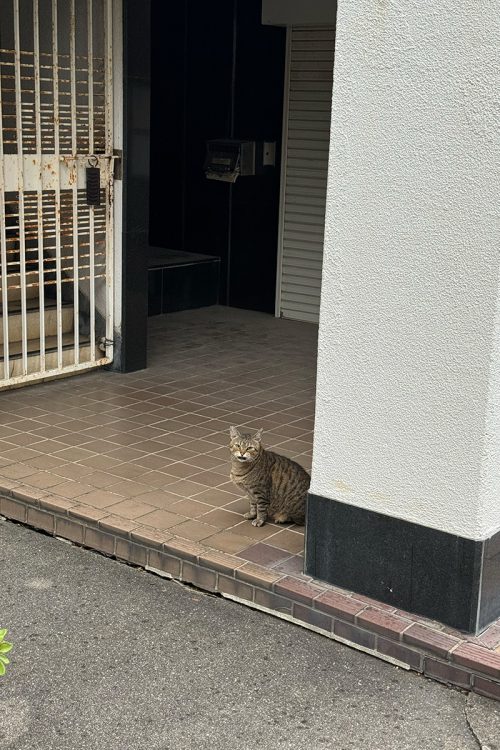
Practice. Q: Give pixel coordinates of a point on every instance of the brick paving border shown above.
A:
(355, 621)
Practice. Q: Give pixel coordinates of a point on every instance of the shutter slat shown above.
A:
(308, 139)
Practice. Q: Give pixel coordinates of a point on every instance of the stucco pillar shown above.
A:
(405, 493)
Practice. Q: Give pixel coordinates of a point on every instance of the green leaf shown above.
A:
(2, 669)
(4, 659)
(3, 633)
(5, 647)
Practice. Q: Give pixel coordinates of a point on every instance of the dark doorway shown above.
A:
(216, 73)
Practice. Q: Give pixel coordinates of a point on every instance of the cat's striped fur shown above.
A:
(276, 486)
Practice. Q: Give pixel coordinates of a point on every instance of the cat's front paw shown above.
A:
(258, 522)
(248, 516)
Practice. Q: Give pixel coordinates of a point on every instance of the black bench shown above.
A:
(181, 281)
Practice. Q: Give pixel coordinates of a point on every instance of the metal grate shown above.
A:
(55, 250)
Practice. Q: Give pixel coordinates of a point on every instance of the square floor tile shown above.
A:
(131, 508)
(263, 554)
(161, 519)
(193, 509)
(194, 530)
(291, 541)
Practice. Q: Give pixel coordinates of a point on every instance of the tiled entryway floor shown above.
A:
(137, 466)
(149, 449)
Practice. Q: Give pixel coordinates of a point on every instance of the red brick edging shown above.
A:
(369, 626)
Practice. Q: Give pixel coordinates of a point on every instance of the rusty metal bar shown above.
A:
(3, 250)
(38, 140)
(90, 49)
(109, 115)
(74, 167)
(57, 191)
(20, 185)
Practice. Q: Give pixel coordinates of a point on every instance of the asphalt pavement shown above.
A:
(110, 657)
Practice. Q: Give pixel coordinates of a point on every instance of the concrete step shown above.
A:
(68, 356)
(33, 347)
(33, 320)
(14, 293)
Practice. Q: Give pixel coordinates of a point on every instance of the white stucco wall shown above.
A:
(408, 413)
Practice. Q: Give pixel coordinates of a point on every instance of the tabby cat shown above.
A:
(276, 486)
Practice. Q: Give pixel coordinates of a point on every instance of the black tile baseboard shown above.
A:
(429, 572)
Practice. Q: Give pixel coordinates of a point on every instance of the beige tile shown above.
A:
(161, 519)
(43, 479)
(216, 497)
(208, 478)
(195, 431)
(225, 541)
(96, 446)
(99, 462)
(220, 453)
(202, 461)
(102, 479)
(130, 488)
(21, 454)
(17, 471)
(220, 517)
(23, 438)
(127, 471)
(146, 433)
(202, 446)
(191, 509)
(179, 470)
(73, 471)
(187, 488)
(157, 479)
(232, 488)
(257, 533)
(194, 530)
(118, 524)
(125, 453)
(71, 489)
(173, 440)
(178, 454)
(149, 536)
(153, 462)
(74, 454)
(102, 499)
(124, 439)
(240, 505)
(86, 512)
(291, 541)
(160, 500)
(132, 508)
(47, 462)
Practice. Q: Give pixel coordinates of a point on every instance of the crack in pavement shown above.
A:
(480, 716)
(471, 729)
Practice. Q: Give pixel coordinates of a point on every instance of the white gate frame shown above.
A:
(68, 172)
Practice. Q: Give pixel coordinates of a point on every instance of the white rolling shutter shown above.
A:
(307, 137)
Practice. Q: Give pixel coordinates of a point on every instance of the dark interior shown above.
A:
(216, 72)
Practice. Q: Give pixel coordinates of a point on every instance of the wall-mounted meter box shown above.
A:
(227, 159)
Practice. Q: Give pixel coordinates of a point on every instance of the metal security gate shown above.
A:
(306, 140)
(56, 120)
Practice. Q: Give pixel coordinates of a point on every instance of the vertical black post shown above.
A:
(131, 344)
(231, 135)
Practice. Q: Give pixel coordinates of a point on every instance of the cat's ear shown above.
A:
(258, 435)
(233, 432)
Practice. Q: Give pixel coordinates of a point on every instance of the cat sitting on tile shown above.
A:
(276, 486)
